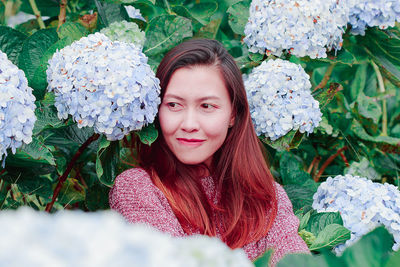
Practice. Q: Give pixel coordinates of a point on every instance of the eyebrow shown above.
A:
(200, 99)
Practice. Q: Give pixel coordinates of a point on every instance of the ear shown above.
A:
(232, 121)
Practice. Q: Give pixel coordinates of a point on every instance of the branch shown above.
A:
(37, 14)
(327, 162)
(71, 164)
(316, 159)
(382, 90)
(326, 77)
(63, 12)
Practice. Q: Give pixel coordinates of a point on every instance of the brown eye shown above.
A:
(207, 106)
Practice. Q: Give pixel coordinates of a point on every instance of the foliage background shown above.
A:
(357, 86)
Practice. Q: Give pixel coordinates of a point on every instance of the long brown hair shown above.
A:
(248, 203)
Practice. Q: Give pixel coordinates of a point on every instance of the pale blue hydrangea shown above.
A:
(133, 13)
(103, 238)
(280, 99)
(103, 84)
(124, 31)
(371, 13)
(17, 107)
(302, 27)
(363, 204)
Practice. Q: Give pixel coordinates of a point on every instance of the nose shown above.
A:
(190, 122)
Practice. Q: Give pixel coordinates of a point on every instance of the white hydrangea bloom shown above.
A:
(301, 27)
(124, 31)
(17, 107)
(103, 84)
(280, 99)
(370, 13)
(103, 238)
(363, 204)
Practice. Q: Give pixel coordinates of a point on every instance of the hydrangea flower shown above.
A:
(103, 238)
(17, 107)
(363, 204)
(301, 27)
(124, 31)
(133, 13)
(381, 13)
(280, 99)
(103, 84)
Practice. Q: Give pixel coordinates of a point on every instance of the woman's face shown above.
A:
(195, 113)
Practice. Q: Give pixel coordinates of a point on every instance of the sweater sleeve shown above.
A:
(140, 201)
(283, 236)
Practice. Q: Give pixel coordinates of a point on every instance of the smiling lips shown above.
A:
(190, 142)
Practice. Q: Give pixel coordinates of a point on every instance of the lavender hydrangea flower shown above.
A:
(302, 27)
(17, 107)
(103, 84)
(371, 13)
(103, 238)
(363, 205)
(124, 31)
(280, 99)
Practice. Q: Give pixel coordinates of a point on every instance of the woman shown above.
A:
(206, 173)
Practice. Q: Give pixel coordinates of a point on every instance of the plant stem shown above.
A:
(326, 77)
(63, 12)
(71, 164)
(327, 162)
(382, 90)
(314, 161)
(168, 7)
(37, 14)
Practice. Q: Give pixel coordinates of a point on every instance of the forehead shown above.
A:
(197, 81)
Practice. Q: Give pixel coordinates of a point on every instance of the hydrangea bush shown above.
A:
(371, 13)
(363, 205)
(280, 99)
(17, 107)
(76, 238)
(302, 28)
(124, 31)
(104, 84)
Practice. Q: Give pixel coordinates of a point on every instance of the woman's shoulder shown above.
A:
(136, 176)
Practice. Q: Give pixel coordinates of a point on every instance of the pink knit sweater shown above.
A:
(140, 201)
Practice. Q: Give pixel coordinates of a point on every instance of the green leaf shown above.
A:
(300, 196)
(35, 151)
(203, 11)
(107, 161)
(210, 30)
(318, 221)
(330, 236)
(325, 95)
(291, 140)
(11, 43)
(37, 185)
(238, 16)
(394, 260)
(110, 12)
(359, 81)
(368, 108)
(362, 169)
(322, 260)
(371, 250)
(48, 8)
(97, 197)
(71, 192)
(148, 134)
(263, 261)
(73, 30)
(39, 79)
(291, 170)
(165, 32)
(304, 220)
(34, 47)
(46, 116)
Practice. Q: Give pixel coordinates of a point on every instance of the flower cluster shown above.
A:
(381, 13)
(103, 84)
(280, 99)
(302, 27)
(363, 205)
(124, 31)
(17, 107)
(103, 238)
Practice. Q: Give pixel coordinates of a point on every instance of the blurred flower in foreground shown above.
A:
(280, 99)
(103, 238)
(17, 107)
(371, 13)
(103, 84)
(363, 205)
(302, 27)
(124, 31)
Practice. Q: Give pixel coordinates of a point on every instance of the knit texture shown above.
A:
(140, 201)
